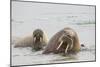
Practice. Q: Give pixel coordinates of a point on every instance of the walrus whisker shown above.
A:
(66, 48)
(40, 39)
(59, 45)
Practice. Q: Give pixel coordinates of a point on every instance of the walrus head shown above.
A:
(37, 35)
(37, 39)
(65, 43)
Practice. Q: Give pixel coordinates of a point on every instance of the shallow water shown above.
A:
(25, 56)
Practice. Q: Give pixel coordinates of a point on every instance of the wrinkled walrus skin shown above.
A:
(37, 40)
(64, 41)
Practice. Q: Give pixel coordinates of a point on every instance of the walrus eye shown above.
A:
(69, 36)
(34, 36)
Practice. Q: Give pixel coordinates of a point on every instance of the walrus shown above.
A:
(65, 41)
(37, 40)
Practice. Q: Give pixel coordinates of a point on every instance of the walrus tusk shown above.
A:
(66, 48)
(71, 44)
(34, 39)
(40, 39)
(59, 45)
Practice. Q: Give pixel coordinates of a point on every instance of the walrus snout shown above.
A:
(37, 38)
(63, 44)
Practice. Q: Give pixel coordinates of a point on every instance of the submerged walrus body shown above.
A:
(64, 41)
(37, 40)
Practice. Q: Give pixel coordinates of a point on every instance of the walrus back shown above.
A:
(24, 42)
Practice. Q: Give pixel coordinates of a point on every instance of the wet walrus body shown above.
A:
(65, 41)
(37, 41)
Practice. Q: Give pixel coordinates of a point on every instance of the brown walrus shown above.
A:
(65, 41)
(37, 40)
